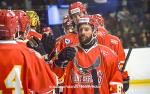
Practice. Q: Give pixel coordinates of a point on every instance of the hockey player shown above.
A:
(23, 71)
(76, 10)
(109, 40)
(93, 68)
(23, 26)
(68, 25)
(34, 23)
(70, 37)
(47, 30)
(115, 44)
(33, 36)
(48, 39)
(99, 19)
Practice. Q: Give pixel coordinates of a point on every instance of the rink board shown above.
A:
(138, 66)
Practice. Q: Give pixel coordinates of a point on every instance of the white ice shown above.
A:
(139, 89)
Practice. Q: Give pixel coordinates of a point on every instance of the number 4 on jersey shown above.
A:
(13, 80)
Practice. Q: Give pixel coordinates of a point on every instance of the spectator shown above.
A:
(133, 42)
(111, 23)
(146, 21)
(143, 38)
(4, 5)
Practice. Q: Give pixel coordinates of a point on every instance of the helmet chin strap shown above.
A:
(90, 40)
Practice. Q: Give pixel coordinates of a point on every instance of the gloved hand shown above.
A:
(48, 42)
(126, 80)
(67, 54)
(37, 45)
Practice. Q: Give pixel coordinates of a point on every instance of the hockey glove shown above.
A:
(48, 42)
(37, 45)
(126, 80)
(67, 54)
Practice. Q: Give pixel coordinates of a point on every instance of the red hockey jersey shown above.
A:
(112, 42)
(78, 73)
(69, 39)
(23, 70)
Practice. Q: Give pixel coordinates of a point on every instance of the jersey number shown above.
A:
(13, 80)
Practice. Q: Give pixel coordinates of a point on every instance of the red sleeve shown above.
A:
(121, 55)
(58, 47)
(118, 48)
(116, 83)
(35, 34)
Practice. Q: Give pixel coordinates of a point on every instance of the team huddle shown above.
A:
(86, 60)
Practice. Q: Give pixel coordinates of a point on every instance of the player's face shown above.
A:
(69, 29)
(76, 16)
(85, 33)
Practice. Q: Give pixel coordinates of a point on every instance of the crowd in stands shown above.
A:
(131, 28)
(131, 23)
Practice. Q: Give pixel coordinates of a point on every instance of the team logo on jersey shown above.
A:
(67, 41)
(85, 79)
(83, 76)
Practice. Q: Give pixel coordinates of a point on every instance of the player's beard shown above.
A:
(83, 39)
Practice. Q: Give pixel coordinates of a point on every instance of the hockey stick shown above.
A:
(95, 81)
(95, 77)
(127, 58)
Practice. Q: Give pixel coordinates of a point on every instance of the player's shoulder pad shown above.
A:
(106, 50)
(114, 39)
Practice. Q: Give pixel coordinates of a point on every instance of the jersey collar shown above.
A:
(8, 41)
